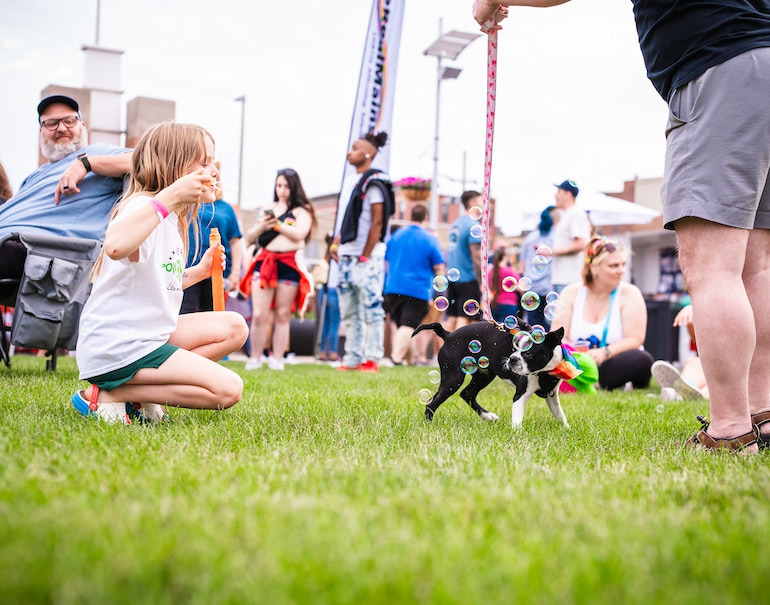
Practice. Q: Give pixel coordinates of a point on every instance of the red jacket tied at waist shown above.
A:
(268, 276)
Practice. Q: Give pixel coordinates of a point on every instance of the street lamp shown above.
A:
(447, 46)
(242, 101)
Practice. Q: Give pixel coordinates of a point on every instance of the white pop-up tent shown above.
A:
(606, 210)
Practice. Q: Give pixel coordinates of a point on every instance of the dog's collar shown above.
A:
(568, 367)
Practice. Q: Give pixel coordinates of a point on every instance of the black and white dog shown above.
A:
(492, 353)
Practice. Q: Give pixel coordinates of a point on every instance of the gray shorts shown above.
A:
(718, 145)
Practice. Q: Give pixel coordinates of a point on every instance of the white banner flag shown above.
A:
(373, 110)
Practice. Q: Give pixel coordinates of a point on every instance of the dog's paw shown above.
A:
(489, 417)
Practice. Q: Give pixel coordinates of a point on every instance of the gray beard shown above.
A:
(53, 152)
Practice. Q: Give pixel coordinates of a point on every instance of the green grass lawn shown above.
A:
(329, 487)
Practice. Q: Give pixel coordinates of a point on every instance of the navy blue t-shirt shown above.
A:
(681, 39)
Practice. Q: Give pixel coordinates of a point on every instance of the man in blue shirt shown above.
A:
(464, 264)
(72, 194)
(412, 258)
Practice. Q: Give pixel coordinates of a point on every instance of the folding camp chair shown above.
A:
(50, 295)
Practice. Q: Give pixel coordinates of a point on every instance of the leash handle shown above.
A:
(491, 99)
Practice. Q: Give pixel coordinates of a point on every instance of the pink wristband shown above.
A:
(159, 208)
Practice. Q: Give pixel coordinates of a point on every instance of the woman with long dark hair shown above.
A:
(278, 280)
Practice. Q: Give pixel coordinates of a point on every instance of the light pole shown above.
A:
(448, 46)
(242, 101)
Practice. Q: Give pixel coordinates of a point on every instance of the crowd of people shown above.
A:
(136, 346)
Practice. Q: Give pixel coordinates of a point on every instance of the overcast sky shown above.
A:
(573, 98)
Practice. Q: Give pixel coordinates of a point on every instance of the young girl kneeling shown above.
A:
(133, 346)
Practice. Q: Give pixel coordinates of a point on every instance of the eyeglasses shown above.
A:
(53, 124)
(287, 172)
(598, 246)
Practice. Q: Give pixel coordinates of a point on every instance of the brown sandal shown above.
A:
(763, 441)
(706, 441)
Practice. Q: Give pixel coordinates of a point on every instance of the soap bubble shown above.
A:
(474, 346)
(468, 365)
(551, 297)
(509, 283)
(530, 300)
(440, 283)
(538, 334)
(510, 322)
(471, 307)
(525, 284)
(434, 376)
(453, 274)
(475, 213)
(425, 395)
(553, 311)
(523, 341)
(540, 265)
(544, 251)
(476, 231)
(441, 303)
(483, 362)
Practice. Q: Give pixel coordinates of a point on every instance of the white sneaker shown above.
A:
(668, 376)
(275, 364)
(154, 412)
(253, 364)
(291, 358)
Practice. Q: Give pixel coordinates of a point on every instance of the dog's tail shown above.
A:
(435, 326)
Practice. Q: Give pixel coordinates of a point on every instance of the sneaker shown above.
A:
(253, 364)
(345, 368)
(290, 358)
(112, 413)
(370, 367)
(668, 376)
(275, 364)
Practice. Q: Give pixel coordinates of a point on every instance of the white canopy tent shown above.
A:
(606, 210)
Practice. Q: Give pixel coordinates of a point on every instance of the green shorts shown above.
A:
(112, 380)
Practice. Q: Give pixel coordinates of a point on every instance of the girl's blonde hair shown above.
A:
(166, 152)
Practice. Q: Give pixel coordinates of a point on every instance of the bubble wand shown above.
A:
(217, 279)
(491, 98)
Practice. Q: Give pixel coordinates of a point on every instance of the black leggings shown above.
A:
(628, 366)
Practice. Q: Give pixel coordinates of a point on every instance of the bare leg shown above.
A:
(261, 299)
(756, 275)
(191, 377)
(401, 343)
(184, 380)
(712, 258)
(284, 297)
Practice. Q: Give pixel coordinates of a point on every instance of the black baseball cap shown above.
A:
(48, 101)
(569, 186)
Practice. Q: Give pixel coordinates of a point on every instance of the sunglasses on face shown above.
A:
(598, 246)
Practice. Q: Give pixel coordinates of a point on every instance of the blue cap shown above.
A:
(569, 186)
(48, 101)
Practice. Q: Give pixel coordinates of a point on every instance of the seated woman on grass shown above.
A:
(609, 315)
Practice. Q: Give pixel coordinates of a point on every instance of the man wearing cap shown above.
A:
(570, 237)
(72, 194)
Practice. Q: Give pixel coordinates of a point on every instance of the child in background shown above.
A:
(133, 345)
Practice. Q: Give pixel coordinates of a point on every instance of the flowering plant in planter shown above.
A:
(413, 183)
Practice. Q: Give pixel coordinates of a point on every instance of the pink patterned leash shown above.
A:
(491, 98)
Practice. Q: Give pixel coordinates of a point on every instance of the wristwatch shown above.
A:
(84, 160)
